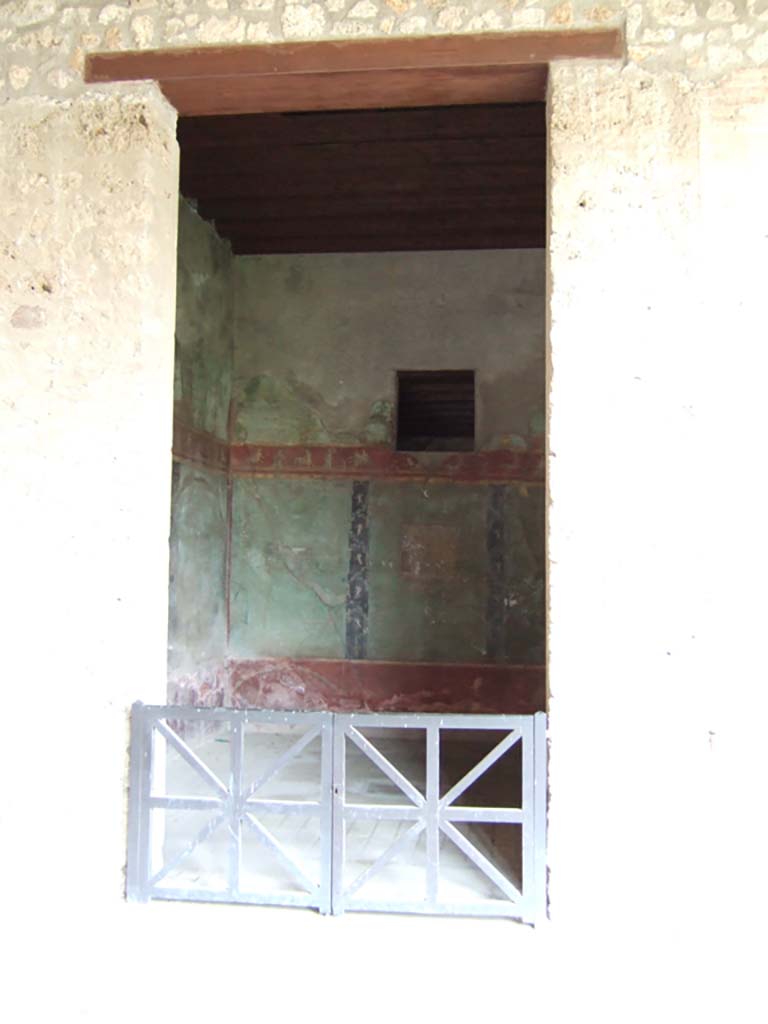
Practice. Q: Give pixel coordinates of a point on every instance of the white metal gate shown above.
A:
(436, 814)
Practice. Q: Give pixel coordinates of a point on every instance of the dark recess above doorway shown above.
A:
(436, 178)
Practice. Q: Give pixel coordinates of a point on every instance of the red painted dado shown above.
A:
(374, 462)
(316, 684)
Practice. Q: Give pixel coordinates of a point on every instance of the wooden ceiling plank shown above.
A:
(380, 153)
(519, 120)
(333, 226)
(258, 208)
(366, 229)
(361, 175)
(389, 243)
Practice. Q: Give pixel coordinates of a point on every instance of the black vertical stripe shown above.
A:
(357, 580)
(496, 611)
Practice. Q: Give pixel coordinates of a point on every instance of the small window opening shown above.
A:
(436, 410)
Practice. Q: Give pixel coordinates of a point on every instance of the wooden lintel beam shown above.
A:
(357, 74)
(347, 55)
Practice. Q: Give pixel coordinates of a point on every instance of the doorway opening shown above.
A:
(343, 276)
(358, 490)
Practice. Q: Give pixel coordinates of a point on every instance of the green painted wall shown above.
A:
(307, 347)
(525, 575)
(290, 560)
(197, 613)
(428, 571)
(204, 326)
(318, 341)
(197, 631)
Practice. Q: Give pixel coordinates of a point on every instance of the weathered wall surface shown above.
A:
(199, 542)
(87, 271)
(319, 340)
(654, 181)
(658, 702)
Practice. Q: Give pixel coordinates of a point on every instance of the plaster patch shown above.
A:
(740, 32)
(19, 76)
(534, 17)
(305, 21)
(363, 9)
(758, 52)
(721, 10)
(25, 317)
(720, 57)
(353, 28)
(414, 25)
(634, 20)
(143, 29)
(674, 12)
(33, 11)
(451, 18)
(90, 40)
(601, 14)
(692, 41)
(258, 32)
(111, 124)
(562, 14)
(658, 35)
(222, 30)
(59, 78)
(113, 38)
(113, 14)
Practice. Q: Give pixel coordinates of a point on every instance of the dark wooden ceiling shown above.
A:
(468, 177)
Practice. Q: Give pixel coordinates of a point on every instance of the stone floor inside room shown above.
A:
(193, 847)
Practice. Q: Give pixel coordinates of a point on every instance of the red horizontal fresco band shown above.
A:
(199, 447)
(366, 462)
(316, 684)
(372, 462)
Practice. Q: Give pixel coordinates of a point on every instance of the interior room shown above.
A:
(338, 272)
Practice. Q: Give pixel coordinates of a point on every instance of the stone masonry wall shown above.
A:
(43, 42)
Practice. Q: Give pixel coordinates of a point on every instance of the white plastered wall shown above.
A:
(659, 241)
